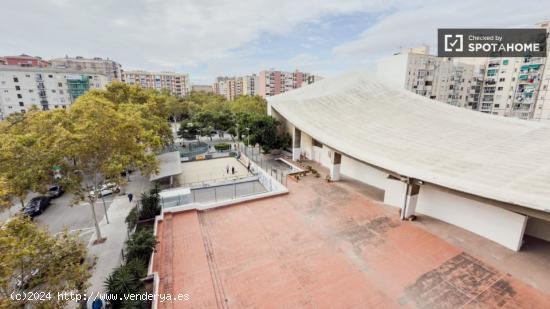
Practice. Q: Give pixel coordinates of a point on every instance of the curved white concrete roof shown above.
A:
(503, 159)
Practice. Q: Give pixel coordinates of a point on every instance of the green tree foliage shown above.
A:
(140, 245)
(126, 280)
(33, 260)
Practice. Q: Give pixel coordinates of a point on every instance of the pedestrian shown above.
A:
(97, 304)
(233, 170)
(248, 166)
(227, 169)
(130, 197)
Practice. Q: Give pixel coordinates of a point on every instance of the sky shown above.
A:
(209, 38)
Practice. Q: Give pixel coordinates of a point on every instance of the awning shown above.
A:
(169, 165)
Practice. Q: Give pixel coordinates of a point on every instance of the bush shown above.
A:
(150, 206)
(222, 146)
(125, 279)
(140, 245)
(132, 219)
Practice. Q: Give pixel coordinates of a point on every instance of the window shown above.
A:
(53, 90)
(500, 88)
(31, 91)
(17, 88)
(21, 104)
(60, 84)
(497, 105)
(316, 143)
(505, 61)
(15, 79)
(50, 76)
(19, 96)
(502, 79)
(27, 75)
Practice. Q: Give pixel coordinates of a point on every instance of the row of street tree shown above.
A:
(102, 134)
(203, 114)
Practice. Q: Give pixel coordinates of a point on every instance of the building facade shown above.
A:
(105, 67)
(24, 61)
(175, 83)
(46, 88)
(272, 82)
(505, 86)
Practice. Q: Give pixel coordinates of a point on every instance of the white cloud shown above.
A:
(418, 25)
(152, 33)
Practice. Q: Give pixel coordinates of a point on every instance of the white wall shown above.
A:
(394, 193)
(306, 145)
(538, 228)
(363, 172)
(393, 69)
(499, 225)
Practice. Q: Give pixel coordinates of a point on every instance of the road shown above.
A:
(60, 215)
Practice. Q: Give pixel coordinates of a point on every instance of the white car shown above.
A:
(106, 189)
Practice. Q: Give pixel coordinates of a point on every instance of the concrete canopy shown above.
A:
(169, 165)
(499, 158)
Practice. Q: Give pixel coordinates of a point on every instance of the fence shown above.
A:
(217, 193)
(268, 163)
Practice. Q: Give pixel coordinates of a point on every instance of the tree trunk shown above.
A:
(96, 224)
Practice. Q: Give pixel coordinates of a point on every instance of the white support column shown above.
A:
(335, 162)
(410, 199)
(296, 142)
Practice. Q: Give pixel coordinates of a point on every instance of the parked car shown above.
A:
(106, 189)
(55, 191)
(36, 206)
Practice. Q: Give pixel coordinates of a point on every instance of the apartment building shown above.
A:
(106, 67)
(175, 83)
(250, 84)
(272, 82)
(24, 61)
(229, 87)
(506, 86)
(46, 88)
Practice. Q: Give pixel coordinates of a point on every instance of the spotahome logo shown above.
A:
(491, 42)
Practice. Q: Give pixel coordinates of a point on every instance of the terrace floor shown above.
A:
(327, 245)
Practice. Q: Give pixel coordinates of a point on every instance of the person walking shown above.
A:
(233, 170)
(227, 169)
(130, 197)
(248, 166)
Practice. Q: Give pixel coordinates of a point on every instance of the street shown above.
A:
(60, 215)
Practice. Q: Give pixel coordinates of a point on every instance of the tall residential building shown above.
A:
(106, 67)
(250, 84)
(47, 88)
(506, 86)
(176, 83)
(273, 82)
(230, 87)
(24, 61)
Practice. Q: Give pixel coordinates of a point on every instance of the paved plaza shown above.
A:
(197, 172)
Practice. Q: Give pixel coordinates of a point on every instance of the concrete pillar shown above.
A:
(335, 162)
(410, 199)
(296, 142)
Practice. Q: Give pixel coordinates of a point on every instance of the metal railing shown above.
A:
(268, 163)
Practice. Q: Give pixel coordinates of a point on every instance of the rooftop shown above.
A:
(328, 243)
(498, 158)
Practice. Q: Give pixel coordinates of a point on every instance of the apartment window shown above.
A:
(19, 96)
(17, 88)
(31, 91)
(6, 91)
(15, 80)
(502, 79)
(27, 75)
(500, 88)
(23, 111)
(497, 105)
(21, 104)
(50, 76)
(60, 84)
(505, 62)
(53, 90)
(61, 91)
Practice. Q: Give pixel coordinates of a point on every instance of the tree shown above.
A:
(126, 280)
(140, 245)
(99, 143)
(25, 152)
(33, 260)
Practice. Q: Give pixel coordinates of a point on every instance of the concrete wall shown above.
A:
(538, 228)
(499, 225)
(363, 172)
(306, 145)
(394, 192)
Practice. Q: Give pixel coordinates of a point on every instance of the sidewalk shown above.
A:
(108, 254)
